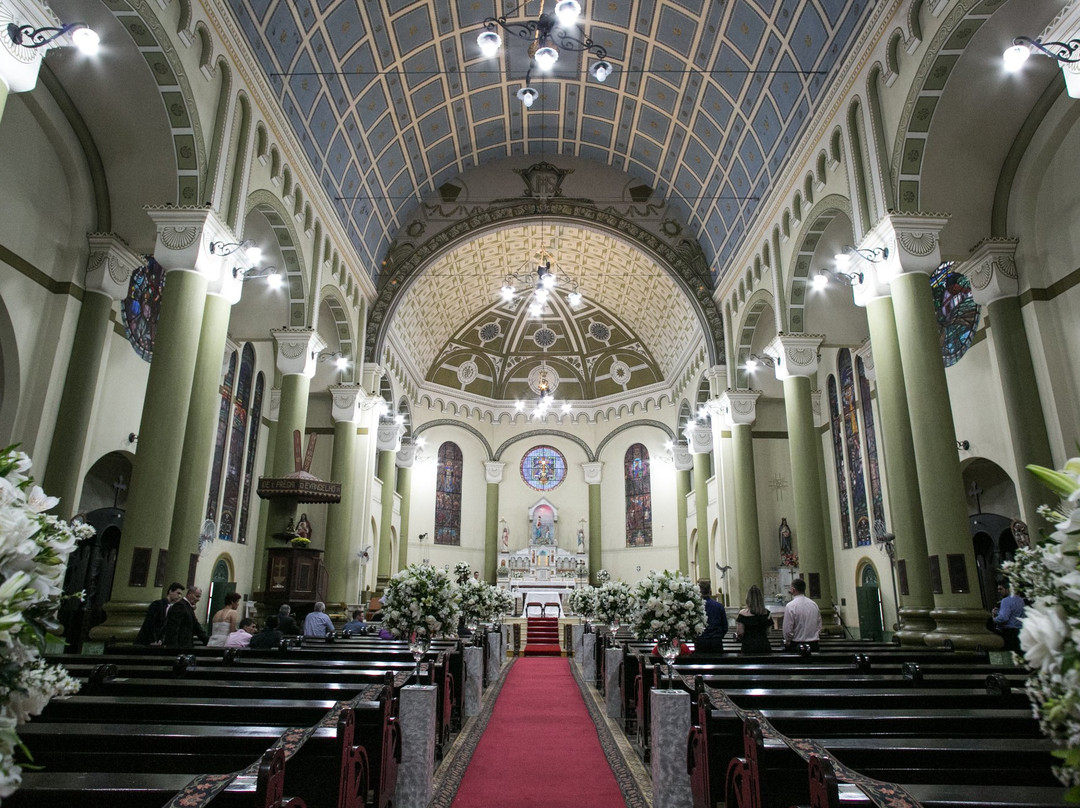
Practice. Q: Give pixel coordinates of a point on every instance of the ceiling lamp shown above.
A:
(546, 35)
(540, 284)
(545, 399)
(1064, 53)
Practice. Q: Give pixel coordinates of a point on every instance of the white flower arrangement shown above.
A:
(421, 601)
(503, 603)
(669, 604)
(602, 576)
(477, 600)
(1049, 575)
(462, 572)
(614, 602)
(34, 548)
(582, 601)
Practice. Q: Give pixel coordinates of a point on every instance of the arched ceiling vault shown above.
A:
(392, 99)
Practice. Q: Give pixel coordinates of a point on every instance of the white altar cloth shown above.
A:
(540, 597)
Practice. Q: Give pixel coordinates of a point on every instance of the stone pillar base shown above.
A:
(474, 679)
(965, 627)
(588, 658)
(668, 730)
(417, 770)
(613, 661)
(576, 632)
(915, 624)
(123, 621)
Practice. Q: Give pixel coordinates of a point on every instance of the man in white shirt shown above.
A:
(802, 618)
(317, 623)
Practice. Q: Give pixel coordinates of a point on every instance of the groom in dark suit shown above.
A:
(181, 624)
(152, 631)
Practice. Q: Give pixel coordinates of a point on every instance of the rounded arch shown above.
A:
(818, 220)
(473, 431)
(748, 334)
(545, 435)
(285, 251)
(10, 375)
(223, 562)
(105, 483)
(667, 430)
(684, 263)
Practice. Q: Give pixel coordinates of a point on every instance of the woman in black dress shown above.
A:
(753, 624)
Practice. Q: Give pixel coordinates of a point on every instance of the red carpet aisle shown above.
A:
(540, 747)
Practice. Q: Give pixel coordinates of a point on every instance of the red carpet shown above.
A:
(540, 747)
(542, 636)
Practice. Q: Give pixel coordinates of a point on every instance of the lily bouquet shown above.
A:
(477, 600)
(421, 601)
(614, 602)
(582, 601)
(669, 604)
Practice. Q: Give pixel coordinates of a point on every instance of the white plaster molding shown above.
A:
(493, 472)
(992, 270)
(592, 472)
(795, 354)
(346, 401)
(740, 406)
(110, 264)
(297, 350)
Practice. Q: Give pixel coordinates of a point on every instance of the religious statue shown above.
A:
(580, 540)
(785, 536)
(504, 541)
(1020, 533)
(303, 527)
(538, 530)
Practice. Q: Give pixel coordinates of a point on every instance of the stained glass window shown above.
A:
(870, 430)
(228, 376)
(853, 441)
(638, 484)
(957, 312)
(838, 458)
(142, 306)
(237, 436)
(543, 468)
(249, 467)
(448, 495)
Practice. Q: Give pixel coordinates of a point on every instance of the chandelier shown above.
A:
(546, 35)
(543, 380)
(540, 283)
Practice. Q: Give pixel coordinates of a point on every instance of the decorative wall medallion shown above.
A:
(544, 337)
(543, 378)
(919, 244)
(743, 407)
(178, 238)
(599, 331)
(467, 371)
(489, 331)
(292, 350)
(801, 356)
(620, 372)
(543, 180)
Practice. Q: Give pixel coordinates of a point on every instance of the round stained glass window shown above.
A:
(142, 306)
(957, 312)
(543, 468)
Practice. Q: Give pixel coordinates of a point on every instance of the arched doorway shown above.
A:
(993, 543)
(90, 570)
(868, 598)
(220, 585)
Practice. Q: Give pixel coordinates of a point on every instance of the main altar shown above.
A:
(540, 574)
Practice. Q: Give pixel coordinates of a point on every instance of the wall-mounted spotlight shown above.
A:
(963, 444)
(872, 255)
(27, 36)
(272, 275)
(1064, 53)
(254, 254)
(422, 536)
(340, 360)
(133, 437)
(753, 362)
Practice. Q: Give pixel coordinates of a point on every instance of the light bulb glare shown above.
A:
(600, 71)
(546, 57)
(86, 40)
(567, 12)
(489, 43)
(1015, 57)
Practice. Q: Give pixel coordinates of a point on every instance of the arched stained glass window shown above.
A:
(448, 495)
(228, 376)
(957, 312)
(637, 477)
(838, 459)
(249, 466)
(142, 307)
(234, 456)
(853, 442)
(543, 468)
(870, 430)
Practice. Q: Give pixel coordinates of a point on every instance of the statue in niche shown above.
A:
(580, 540)
(504, 541)
(785, 536)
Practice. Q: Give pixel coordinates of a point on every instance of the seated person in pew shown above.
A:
(268, 637)
(711, 640)
(318, 623)
(753, 623)
(286, 622)
(152, 631)
(241, 638)
(1007, 616)
(181, 624)
(357, 624)
(802, 618)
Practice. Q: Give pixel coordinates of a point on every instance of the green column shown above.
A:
(386, 471)
(596, 557)
(261, 536)
(740, 409)
(404, 489)
(3, 97)
(64, 471)
(342, 539)
(958, 610)
(491, 532)
(684, 465)
(199, 438)
(699, 437)
(898, 452)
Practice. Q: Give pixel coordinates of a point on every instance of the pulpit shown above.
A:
(295, 576)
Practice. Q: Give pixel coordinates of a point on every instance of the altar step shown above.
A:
(542, 636)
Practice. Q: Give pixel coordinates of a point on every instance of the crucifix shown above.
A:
(973, 492)
(119, 486)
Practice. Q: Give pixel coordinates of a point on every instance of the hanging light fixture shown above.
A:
(540, 283)
(546, 379)
(83, 36)
(546, 35)
(1066, 54)
(872, 255)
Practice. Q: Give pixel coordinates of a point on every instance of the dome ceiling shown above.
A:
(634, 326)
(391, 99)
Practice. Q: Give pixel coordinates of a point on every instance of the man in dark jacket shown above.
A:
(181, 624)
(153, 627)
(268, 637)
(287, 624)
(711, 640)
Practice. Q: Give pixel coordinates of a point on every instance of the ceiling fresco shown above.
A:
(391, 99)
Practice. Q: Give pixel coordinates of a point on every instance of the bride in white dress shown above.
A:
(224, 621)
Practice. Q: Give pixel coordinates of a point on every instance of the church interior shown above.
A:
(295, 294)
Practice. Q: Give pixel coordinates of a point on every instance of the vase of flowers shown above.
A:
(421, 601)
(602, 576)
(34, 549)
(503, 603)
(300, 542)
(614, 604)
(462, 572)
(669, 607)
(789, 558)
(477, 602)
(1047, 574)
(582, 602)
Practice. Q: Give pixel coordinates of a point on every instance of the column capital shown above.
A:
(110, 264)
(19, 65)
(913, 240)
(592, 472)
(795, 354)
(389, 435)
(865, 352)
(406, 455)
(347, 402)
(992, 270)
(371, 376)
(875, 283)
(297, 350)
(699, 437)
(717, 377)
(739, 406)
(493, 472)
(184, 236)
(681, 457)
